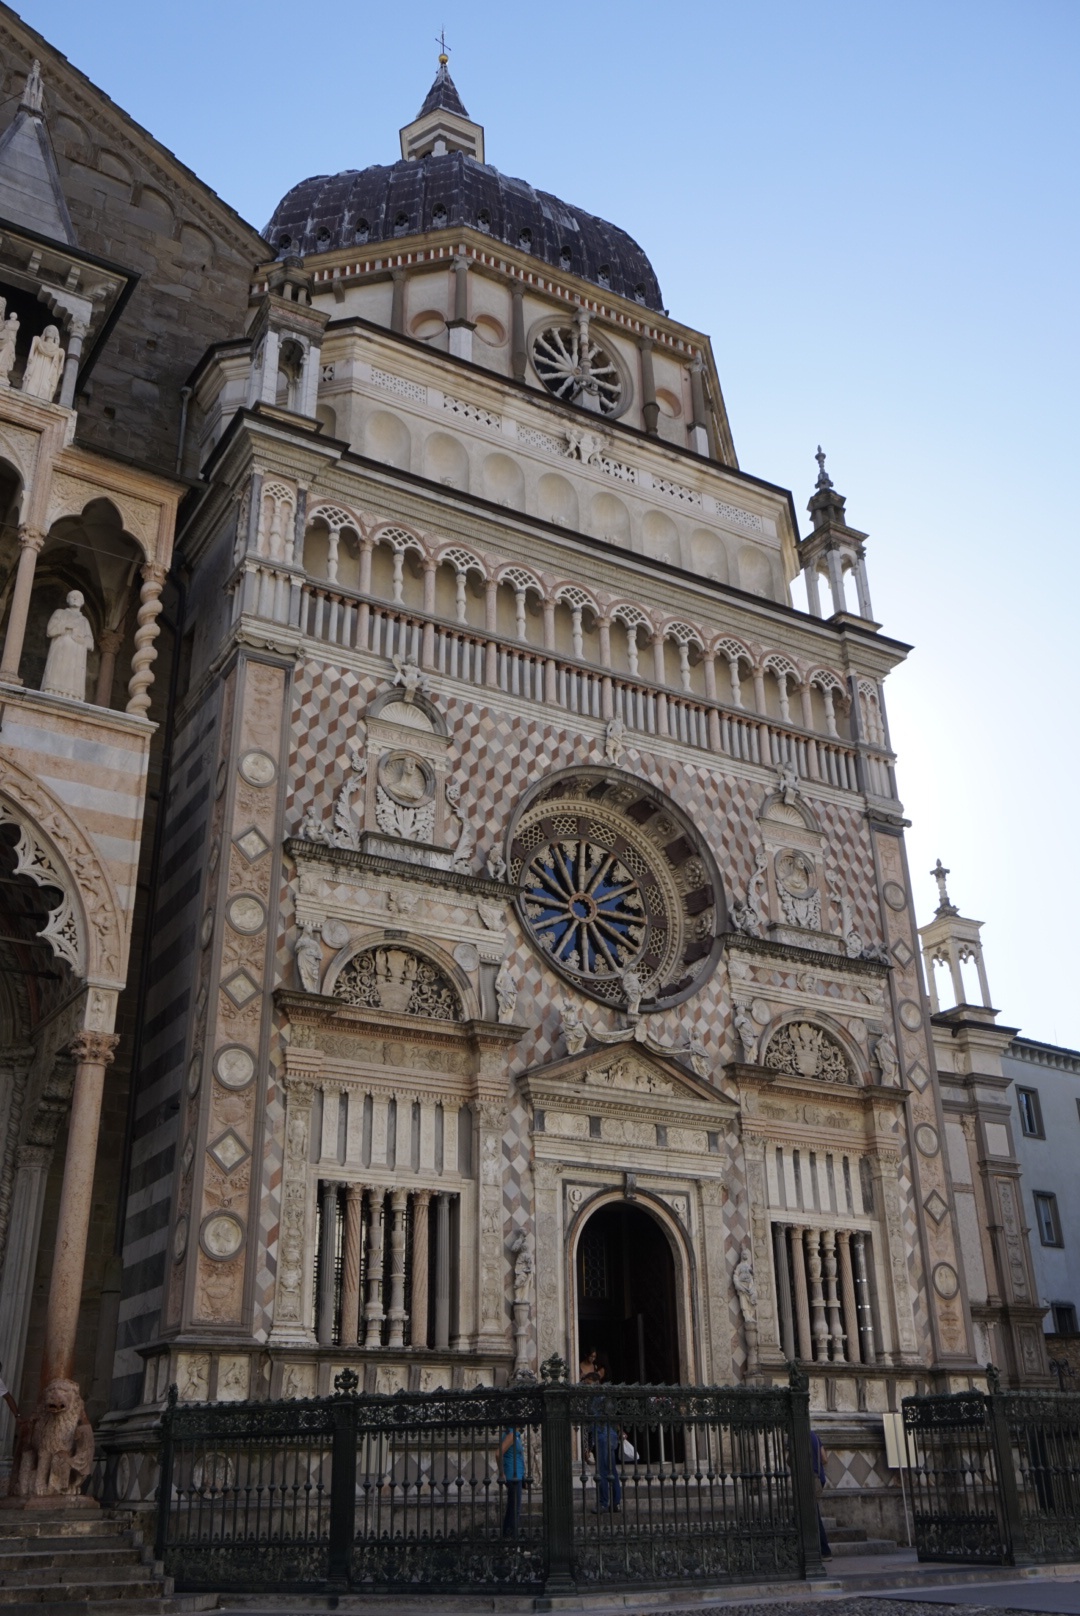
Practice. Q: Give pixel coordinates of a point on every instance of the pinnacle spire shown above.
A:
(823, 478)
(443, 95)
(31, 195)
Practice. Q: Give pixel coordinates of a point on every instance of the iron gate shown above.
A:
(995, 1478)
(539, 1488)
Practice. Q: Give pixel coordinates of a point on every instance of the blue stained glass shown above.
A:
(585, 908)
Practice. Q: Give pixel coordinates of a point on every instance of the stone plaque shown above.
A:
(257, 767)
(234, 1066)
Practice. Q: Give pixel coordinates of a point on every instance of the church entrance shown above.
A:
(626, 1300)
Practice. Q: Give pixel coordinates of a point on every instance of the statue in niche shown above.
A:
(70, 638)
(9, 331)
(506, 992)
(748, 1033)
(44, 365)
(308, 959)
(745, 1287)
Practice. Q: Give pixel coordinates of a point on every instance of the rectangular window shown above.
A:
(1030, 1113)
(1046, 1218)
(1064, 1317)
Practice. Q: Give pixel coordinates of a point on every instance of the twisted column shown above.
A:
(30, 543)
(832, 1299)
(373, 1312)
(442, 1270)
(418, 1310)
(92, 1052)
(399, 1200)
(862, 1296)
(818, 1326)
(146, 632)
(350, 1266)
(847, 1292)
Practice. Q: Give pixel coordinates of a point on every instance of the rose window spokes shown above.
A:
(585, 908)
(576, 369)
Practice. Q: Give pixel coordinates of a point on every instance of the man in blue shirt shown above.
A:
(513, 1469)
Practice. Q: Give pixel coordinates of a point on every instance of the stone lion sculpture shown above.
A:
(58, 1445)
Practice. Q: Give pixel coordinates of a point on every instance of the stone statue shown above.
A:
(311, 828)
(506, 992)
(699, 1057)
(633, 987)
(745, 1288)
(409, 677)
(461, 858)
(33, 89)
(308, 960)
(70, 638)
(788, 779)
(496, 865)
(614, 740)
(750, 917)
(523, 1267)
(58, 1451)
(574, 1029)
(888, 1065)
(44, 365)
(748, 1033)
(9, 331)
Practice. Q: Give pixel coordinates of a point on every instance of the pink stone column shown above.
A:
(418, 1300)
(93, 1052)
(350, 1266)
(30, 543)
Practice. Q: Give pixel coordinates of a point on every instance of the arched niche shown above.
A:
(386, 439)
(609, 519)
(445, 461)
(93, 553)
(556, 500)
(503, 482)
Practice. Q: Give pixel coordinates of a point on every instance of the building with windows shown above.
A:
(1046, 1086)
(529, 962)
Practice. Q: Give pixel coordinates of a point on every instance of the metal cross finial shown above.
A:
(939, 872)
(823, 478)
(440, 40)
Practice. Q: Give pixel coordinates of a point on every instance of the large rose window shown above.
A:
(613, 878)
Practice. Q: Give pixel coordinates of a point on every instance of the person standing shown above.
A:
(605, 1441)
(512, 1453)
(817, 1462)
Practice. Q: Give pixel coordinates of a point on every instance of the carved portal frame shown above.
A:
(633, 1093)
(807, 1114)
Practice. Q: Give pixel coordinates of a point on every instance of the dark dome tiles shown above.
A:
(405, 199)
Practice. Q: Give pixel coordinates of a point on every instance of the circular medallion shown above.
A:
(222, 1236)
(246, 914)
(615, 883)
(926, 1138)
(194, 1073)
(467, 956)
(795, 872)
(760, 1012)
(406, 779)
(335, 933)
(206, 931)
(234, 1066)
(257, 767)
(179, 1239)
(911, 1015)
(894, 895)
(946, 1282)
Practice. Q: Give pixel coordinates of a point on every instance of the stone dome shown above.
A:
(443, 189)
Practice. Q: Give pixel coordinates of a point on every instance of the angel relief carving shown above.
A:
(399, 981)
(802, 1050)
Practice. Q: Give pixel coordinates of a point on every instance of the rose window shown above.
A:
(577, 369)
(586, 908)
(610, 877)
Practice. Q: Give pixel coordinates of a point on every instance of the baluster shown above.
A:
(396, 1315)
(818, 1325)
(373, 1311)
(832, 1299)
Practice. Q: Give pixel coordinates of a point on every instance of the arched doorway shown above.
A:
(626, 1295)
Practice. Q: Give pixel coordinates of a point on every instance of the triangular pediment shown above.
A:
(622, 1072)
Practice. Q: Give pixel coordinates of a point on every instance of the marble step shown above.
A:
(47, 1572)
(116, 1589)
(864, 1545)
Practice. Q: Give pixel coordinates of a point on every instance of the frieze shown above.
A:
(304, 852)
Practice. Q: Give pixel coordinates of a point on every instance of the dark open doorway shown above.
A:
(626, 1296)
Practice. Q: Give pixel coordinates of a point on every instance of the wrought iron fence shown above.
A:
(538, 1488)
(995, 1478)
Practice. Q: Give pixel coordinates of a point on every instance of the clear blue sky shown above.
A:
(871, 205)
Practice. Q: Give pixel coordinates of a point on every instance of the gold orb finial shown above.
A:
(443, 59)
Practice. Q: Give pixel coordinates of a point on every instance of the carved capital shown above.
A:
(94, 1048)
(153, 573)
(30, 538)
